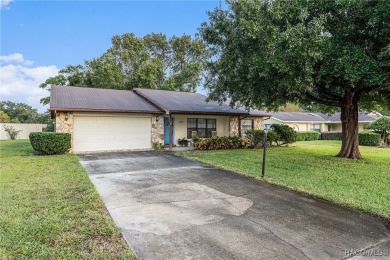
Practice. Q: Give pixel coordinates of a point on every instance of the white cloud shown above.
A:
(15, 58)
(4, 3)
(21, 84)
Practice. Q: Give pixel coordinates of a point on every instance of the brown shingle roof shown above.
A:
(186, 102)
(68, 98)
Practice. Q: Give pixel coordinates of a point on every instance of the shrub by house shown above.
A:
(50, 143)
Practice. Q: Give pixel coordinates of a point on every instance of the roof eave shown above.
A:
(207, 113)
(104, 110)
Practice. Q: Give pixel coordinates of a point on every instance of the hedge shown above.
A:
(285, 133)
(257, 137)
(308, 136)
(50, 143)
(369, 138)
(220, 142)
(331, 135)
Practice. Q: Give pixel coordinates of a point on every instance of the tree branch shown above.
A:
(327, 102)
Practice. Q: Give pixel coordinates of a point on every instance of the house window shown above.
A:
(247, 124)
(204, 127)
(315, 127)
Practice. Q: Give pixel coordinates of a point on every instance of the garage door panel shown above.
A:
(111, 133)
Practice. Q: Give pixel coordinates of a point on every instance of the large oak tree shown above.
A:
(334, 53)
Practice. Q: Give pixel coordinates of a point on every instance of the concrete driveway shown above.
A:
(173, 208)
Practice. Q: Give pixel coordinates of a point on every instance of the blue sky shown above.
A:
(40, 37)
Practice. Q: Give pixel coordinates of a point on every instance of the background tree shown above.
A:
(152, 61)
(381, 125)
(4, 118)
(11, 112)
(290, 107)
(19, 111)
(333, 53)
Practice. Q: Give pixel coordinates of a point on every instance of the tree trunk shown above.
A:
(349, 121)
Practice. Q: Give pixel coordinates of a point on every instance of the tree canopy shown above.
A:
(333, 53)
(11, 112)
(152, 61)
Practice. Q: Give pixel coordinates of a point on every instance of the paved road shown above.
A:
(173, 208)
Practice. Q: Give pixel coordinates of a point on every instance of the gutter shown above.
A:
(55, 109)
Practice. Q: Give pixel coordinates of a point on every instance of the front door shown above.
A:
(166, 130)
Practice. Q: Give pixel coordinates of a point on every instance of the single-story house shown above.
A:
(318, 122)
(110, 120)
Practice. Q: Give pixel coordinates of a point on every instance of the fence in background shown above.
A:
(26, 129)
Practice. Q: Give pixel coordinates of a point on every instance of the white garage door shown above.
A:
(93, 133)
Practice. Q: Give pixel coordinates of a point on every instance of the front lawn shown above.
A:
(49, 209)
(312, 168)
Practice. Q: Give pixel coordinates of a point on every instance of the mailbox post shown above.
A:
(266, 128)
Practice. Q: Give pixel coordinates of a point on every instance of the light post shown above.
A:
(266, 128)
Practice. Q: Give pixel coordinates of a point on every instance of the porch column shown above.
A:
(170, 126)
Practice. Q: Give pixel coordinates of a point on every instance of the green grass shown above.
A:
(50, 209)
(312, 168)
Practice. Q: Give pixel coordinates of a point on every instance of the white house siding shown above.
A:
(336, 127)
(298, 126)
(26, 129)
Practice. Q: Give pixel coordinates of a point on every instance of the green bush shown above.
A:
(257, 137)
(308, 136)
(220, 142)
(331, 135)
(285, 133)
(157, 146)
(369, 138)
(50, 143)
(382, 126)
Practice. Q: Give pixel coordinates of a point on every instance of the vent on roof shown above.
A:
(312, 114)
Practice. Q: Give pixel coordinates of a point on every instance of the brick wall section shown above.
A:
(157, 129)
(64, 126)
(233, 126)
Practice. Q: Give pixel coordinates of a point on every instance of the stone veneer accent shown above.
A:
(258, 123)
(62, 125)
(157, 129)
(233, 126)
(65, 126)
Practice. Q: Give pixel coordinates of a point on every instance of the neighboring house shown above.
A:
(334, 121)
(25, 129)
(109, 120)
(301, 121)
